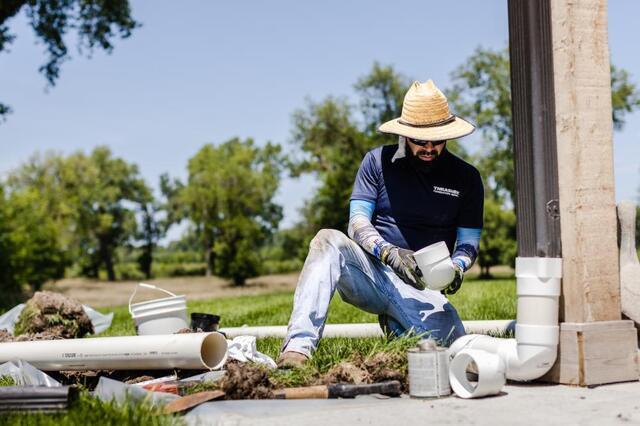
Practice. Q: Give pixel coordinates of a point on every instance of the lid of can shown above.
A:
(427, 345)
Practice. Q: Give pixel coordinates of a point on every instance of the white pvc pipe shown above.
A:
(159, 352)
(358, 330)
(533, 352)
(490, 370)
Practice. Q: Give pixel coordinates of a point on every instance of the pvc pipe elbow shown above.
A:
(534, 350)
(523, 362)
(530, 362)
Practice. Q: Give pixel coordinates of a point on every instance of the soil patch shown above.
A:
(377, 368)
(49, 316)
(246, 381)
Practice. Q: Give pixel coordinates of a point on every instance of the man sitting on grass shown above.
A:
(406, 196)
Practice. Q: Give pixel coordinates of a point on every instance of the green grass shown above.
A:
(486, 299)
(477, 300)
(87, 410)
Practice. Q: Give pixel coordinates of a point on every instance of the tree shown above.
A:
(625, 97)
(498, 238)
(381, 95)
(97, 23)
(104, 188)
(30, 252)
(150, 230)
(333, 148)
(482, 93)
(229, 200)
(91, 199)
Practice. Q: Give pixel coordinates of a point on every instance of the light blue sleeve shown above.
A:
(467, 246)
(362, 231)
(362, 207)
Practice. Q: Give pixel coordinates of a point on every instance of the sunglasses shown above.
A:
(424, 143)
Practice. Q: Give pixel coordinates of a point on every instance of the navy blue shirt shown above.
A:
(417, 206)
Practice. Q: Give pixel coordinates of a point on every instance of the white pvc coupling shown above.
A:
(489, 368)
(436, 265)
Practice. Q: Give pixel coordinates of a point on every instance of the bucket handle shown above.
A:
(151, 286)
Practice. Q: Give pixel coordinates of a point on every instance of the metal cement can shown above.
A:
(428, 371)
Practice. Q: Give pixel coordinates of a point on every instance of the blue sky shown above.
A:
(203, 71)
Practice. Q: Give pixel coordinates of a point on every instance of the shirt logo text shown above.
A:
(446, 191)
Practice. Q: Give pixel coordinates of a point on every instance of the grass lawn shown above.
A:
(477, 300)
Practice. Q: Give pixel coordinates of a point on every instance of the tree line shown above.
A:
(87, 214)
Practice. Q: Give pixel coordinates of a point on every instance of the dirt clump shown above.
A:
(5, 336)
(385, 366)
(377, 368)
(347, 372)
(246, 381)
(50, 315)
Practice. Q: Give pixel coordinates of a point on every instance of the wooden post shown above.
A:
(596, 346)
(567, 39)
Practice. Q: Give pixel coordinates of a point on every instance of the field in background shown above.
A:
(97, 293)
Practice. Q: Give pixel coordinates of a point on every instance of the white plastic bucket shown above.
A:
(159, 316)
(436, 265)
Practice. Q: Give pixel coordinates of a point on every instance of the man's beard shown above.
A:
(422, 165)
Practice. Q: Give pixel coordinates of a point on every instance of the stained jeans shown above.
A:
(335, 262)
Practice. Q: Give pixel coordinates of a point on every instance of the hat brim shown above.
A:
(452, 130)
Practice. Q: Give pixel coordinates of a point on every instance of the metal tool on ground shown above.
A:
(187, 402)
(428, 370)
(205, 322)
(36, 398)
(390, 388)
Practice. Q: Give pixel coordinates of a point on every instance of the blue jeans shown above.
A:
(335, 262)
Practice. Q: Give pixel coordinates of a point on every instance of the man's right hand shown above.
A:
(404, 265)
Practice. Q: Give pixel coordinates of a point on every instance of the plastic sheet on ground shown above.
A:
(25, 374)
(243, 349)
(100, 322)
(109, 389)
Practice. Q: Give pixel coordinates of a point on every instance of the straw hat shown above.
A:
(426, 116)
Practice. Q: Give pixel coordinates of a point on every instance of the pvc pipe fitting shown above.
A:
(436, 265)
(534, 350)
(489, 367)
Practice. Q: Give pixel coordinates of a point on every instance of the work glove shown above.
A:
(404, 265)
(457, 280)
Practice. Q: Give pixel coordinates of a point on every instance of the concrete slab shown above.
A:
(517, 405)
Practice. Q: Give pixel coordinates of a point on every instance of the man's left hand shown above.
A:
(457, 280)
